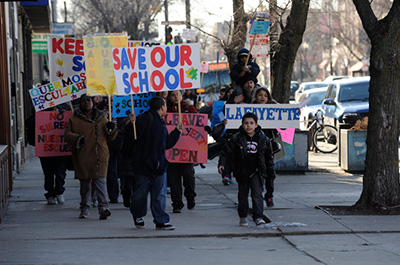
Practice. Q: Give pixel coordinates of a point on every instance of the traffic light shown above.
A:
(168, 35)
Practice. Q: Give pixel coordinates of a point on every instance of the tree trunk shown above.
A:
(238, 38)
(381, 178)
(283, 58)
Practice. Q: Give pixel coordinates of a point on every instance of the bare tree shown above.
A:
(133, 16)
(381, 185)
(283, 53)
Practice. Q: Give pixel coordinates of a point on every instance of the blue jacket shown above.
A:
(148, 157)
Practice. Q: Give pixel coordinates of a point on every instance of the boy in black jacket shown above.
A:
(250, 157)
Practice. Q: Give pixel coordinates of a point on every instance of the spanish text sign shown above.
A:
(269, 115)
(99, 70)
(58, 92)
(49, 133)
(157, 68)
(192, 145)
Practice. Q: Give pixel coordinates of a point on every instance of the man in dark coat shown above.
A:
(150, 164)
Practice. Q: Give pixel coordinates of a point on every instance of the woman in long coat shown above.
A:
(87, 132)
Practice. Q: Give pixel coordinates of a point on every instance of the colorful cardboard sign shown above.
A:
(158, 68)
(269, 115)
(99, 68)
(287, 134)
(66, 58)
(138, 43)
(218, 108)
(192, 145)
(260, 46)
(49, 133)
(260, 27)
(58, 92)
(122, 104)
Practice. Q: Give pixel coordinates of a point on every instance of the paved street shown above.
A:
(36, 233)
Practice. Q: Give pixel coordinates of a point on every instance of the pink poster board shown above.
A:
(49, 133)
(192, 145)
(287, 135)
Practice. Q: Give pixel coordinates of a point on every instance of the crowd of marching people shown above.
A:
(127, 155)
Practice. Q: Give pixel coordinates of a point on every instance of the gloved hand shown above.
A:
(110, 125)
(82, 141)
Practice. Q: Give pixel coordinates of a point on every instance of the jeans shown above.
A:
(157, 186)
(255, 185)
(99, 185)
(177, 172)
(54, 170)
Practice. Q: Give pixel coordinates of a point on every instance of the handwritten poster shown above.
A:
(58, 92)
(66, 58)
(158, 68)
(49, 133)
(122, 106)
(269, 115)
(99, 64)
(192, 145)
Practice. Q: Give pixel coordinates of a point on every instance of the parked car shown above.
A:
(346, 101)
(306, 86)
(316, 96)
(294, 85)
(334, 78)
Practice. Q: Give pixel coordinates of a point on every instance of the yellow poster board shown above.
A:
(99, 63)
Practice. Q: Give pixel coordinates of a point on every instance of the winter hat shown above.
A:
(247, 77)
(243, 52)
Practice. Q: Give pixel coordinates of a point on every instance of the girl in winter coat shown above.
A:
(87, 132)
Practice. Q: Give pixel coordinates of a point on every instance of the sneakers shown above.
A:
(165, 226)
(60, 199)
(225, 181)
(270, 202)
(84, 213)
(243, 221)
(139, 222)
(51, 201)
(231, 181)
(104, 214)
(191, 203)
(259, 221)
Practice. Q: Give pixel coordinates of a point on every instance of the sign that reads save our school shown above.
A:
(157, 68)
(269, 115)
(192, 145)
(49, 133)
(58, 92)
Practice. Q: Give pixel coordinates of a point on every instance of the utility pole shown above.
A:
(166, 19)
(65, 12)
(187, 5)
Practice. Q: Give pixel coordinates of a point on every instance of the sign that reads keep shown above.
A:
(66, 57)
(158, 68)
(49, 133)
(192, 145)
(269, 115)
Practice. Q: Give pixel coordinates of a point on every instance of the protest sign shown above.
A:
(58, 92)
(287, 134)
(49, 133)
(138, 43)
(99, 69)
(261, 47)
(192, 145)
(122, 106)
(217, 112)
(158, 68)
(269, 115)
(66, 58)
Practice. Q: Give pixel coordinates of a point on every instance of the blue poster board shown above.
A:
(122, 104)
(260, 27)
(217, 113)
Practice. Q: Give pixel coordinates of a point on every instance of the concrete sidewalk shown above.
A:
(36, 233)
